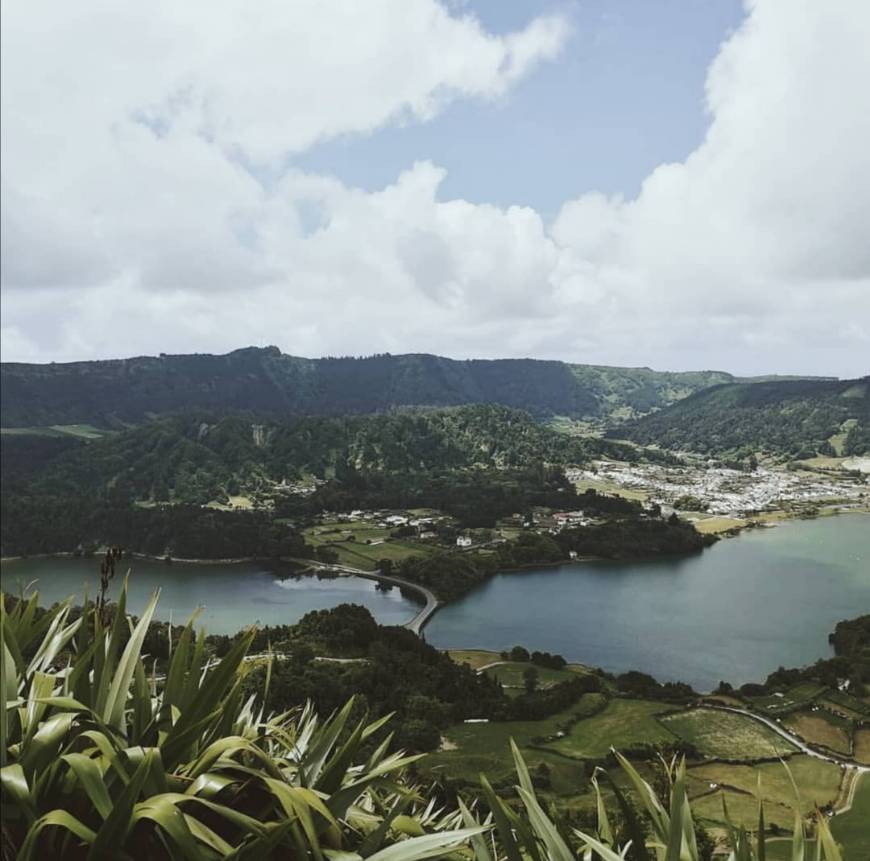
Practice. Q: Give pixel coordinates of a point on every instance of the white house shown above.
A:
(463, 541)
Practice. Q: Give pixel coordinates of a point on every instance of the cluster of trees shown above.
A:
(391, 670)
(790, 418)
(51, 524)
(644, 686)
(521, 654)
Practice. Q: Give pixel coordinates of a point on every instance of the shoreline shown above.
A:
(762, 520)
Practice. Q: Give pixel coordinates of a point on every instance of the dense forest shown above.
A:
(794, 419)
(265, 381)
(189, 459)
(59, 524)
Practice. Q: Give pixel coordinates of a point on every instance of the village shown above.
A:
(707, 488)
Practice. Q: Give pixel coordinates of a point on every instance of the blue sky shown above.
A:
(626, 94)
(680, 184)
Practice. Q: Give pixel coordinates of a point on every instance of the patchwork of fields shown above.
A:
(733, 753)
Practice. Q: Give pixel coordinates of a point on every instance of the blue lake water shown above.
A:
(232, 596)
(737, 611)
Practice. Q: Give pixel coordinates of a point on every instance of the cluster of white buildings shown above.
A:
(728, 491)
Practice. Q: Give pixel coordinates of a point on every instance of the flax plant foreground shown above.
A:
(103, 759)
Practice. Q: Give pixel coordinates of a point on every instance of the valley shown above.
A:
(537, 567)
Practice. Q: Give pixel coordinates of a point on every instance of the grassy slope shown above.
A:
(622, 724)
(727, 735)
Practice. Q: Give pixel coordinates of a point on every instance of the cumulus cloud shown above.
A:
(135, 146)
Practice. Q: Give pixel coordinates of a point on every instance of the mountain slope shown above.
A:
(195, 459)
(796, 418)
(265, 381)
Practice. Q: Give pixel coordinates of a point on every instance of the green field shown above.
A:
(847, 704)
(356, 552)
(821, 728)
(818, 781)
(475, 748)
(794, 698)
(472, 749)
(727, 735)
(610, 487)
(624, 723)
(742, 809)
(510, 676)
(852, 829)
(475, 658)
(716, 525)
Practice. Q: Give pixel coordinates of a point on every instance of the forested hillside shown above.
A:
(475, 462)
(265, 381)
(795, 419)
(196, 459)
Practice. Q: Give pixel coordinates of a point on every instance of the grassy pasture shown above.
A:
(359, 554)
(510, 676)
(727, 735)
(794, 698)
(716, 525)
(486, 747)
(847, 704)
(852, 829)
(862, 746)
(742, 810)
(624, 723)
(611, 488)
(818, 781)
(472, 749)
(820, 728)
(475, 658)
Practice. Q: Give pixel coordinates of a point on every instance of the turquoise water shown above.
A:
(737, 611)
(231, 596)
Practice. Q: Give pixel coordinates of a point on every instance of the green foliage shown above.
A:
(98, 759)
(265, 381)
(52, 524)
(101, 760)
(787, 418)
(199, 458)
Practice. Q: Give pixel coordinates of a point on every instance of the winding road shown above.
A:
(798, 742)
(853, 771)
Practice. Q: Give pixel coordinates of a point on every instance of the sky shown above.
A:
(682, 184)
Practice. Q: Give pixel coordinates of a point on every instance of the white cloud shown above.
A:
(131, 225)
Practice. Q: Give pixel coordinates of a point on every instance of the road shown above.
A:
(853, 771)
(799, 743)
(419, 620)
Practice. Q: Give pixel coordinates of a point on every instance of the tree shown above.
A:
(519, 653)
(530, 679)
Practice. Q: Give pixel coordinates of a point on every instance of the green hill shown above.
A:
(787, 418)
(197, 459)
(265, 381)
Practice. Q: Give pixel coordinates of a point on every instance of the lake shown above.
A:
(737, 611)
(232, 596)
